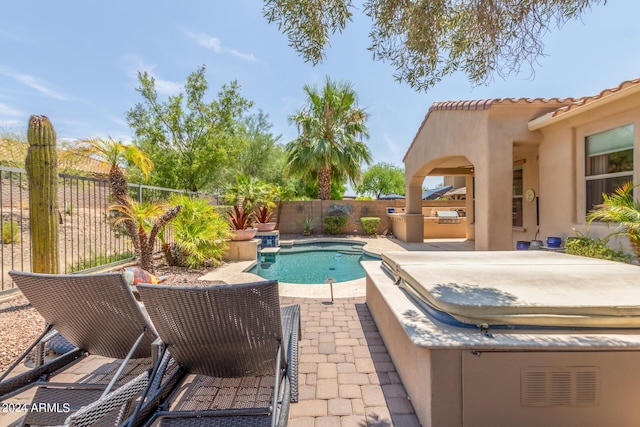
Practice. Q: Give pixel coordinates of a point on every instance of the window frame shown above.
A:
(515, 196)
(603, 176)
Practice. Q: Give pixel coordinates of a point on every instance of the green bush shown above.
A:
(370, 224)
(594, 248)
(10, 232)
(334, 224)
(199, 234)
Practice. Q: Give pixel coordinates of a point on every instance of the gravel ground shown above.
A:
(20, 323)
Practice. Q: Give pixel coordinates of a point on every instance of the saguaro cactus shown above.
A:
(42, 174)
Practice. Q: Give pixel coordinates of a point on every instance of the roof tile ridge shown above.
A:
(603, 93)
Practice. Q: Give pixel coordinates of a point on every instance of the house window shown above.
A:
(518, 190)
(608, 162)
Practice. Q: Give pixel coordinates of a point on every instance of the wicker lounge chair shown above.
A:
(97, 314)
(239, 343)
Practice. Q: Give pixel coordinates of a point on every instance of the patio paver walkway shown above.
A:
(346, 376)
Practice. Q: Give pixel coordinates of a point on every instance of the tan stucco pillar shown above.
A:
(471, 226)
(414, 220)
(493, 196)
(414, 199)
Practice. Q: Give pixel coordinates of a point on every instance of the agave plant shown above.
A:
(622, 209)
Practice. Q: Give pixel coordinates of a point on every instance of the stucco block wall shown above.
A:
(293, 213)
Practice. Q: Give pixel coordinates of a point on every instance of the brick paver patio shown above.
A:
(346, 376)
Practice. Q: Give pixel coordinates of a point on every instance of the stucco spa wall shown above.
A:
(294, 213)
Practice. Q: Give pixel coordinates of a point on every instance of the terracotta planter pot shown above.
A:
(246, 234)
(265, 226)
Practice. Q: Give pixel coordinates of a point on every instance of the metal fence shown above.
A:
(87, 238)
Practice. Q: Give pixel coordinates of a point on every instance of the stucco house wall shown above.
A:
(481, 139)
(484, 140)
(562, 158)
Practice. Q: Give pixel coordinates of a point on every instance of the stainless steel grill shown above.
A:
(448, 217)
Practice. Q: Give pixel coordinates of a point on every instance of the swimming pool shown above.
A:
(310, 263)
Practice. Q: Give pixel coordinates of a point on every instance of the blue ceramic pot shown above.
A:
(522, 245)
(554, 242)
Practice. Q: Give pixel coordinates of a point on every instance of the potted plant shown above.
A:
(263, 218)
(241, 221)
(308, 224)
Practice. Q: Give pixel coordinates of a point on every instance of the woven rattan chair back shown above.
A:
(219, 331)
(95, 312)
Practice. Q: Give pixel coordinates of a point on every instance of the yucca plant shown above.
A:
(622, 209)
(199, 234)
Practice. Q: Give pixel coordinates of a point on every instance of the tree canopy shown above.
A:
(382, 178)
(331, 127)
(427, 40)
(262, 156)
(189, 139)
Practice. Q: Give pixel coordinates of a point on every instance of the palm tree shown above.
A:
(115, 153)
(148, 219)
(330, 129)
(622, 209)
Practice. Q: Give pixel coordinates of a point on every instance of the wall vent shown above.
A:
(560, 386)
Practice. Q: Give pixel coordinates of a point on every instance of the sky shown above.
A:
(77, 63)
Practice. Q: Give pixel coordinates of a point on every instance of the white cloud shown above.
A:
(391, 144)
(135, 64)
(215, 44)
(34, 83)
(119, 121)
(167, 87)
(5, 110)
(11, 123)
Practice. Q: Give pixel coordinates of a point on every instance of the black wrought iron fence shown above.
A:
(88, 240)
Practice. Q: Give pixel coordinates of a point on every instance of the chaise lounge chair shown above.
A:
(239, 343)
(99, 315)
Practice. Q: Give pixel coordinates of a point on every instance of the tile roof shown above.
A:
(588, 99)
(481, 104)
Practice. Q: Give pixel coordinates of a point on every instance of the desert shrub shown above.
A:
(334, 224)
(594, 248)
(10, 232)
(370, 224)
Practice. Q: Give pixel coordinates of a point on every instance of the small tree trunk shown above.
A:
(635, 247)
(324, 183)
(42, 174)
(147, 241)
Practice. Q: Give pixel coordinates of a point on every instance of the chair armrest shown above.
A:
(93, 412)
(290, 316)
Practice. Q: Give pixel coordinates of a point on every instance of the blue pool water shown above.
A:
(313, 263)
